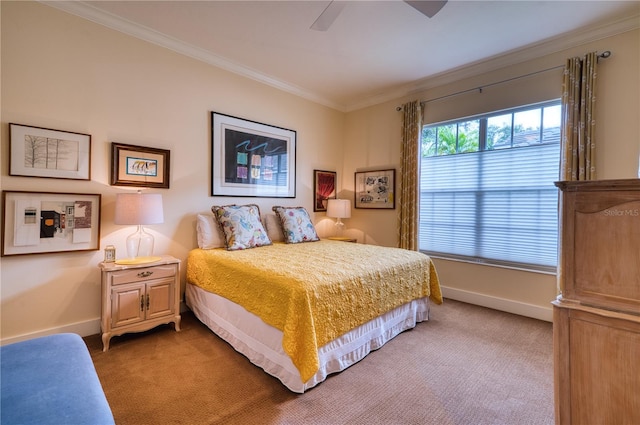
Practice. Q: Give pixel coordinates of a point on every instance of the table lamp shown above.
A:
(139, 209)
(339, 209)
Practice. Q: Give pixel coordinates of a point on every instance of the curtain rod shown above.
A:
(602, 55)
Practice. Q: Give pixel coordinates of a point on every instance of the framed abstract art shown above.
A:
(139, 166)
(47, 222)
(375, 189)
(251, 159)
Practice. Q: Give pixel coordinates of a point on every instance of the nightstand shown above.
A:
(342, 239)
(139, 297)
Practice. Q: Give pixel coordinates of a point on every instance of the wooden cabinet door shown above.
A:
(604, 369)
(160, 301)
(600, 249)
(127, 304)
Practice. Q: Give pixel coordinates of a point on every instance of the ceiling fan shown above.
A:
(426, 7)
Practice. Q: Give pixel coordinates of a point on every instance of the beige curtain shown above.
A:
(408, 198)
(578, 126)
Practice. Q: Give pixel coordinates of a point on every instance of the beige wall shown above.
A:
(373, 138)
(60, 71)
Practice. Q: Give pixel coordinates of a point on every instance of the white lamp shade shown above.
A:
(339, 208)
(139, 208)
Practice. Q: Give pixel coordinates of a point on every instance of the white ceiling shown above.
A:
(373, 51)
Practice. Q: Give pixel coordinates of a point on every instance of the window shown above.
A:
(486, 188)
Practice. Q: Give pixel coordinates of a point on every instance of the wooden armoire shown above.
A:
(596, 317)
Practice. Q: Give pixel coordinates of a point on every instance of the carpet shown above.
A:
(466, 365)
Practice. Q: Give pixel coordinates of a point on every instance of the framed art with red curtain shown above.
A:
(324, 188)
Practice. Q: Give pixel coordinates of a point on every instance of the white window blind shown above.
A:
(496, 206)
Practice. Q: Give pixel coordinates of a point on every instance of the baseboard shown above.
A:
(86, 328)
(502, 304)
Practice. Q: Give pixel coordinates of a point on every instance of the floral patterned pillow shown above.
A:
(296, 224)
(241, 226)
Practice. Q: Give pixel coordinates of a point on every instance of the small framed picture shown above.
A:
(324, 188)
(110, 254)
(375, 189)
(139, 166)
(47, 222)
(44, 152)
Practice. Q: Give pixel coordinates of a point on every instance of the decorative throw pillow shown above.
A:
(241, 226)
(208, 232)
(296, 224)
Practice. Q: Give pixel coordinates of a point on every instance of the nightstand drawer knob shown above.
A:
(145, 274)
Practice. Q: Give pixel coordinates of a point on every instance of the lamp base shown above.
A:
(339, 227)
(139, 244)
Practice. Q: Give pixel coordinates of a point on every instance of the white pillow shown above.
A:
(273, 227)
(209, 233)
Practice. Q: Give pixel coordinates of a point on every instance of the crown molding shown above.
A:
(547, 47)
(553, 45)
(86, 11)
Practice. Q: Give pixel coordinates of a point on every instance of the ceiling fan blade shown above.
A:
(427, 7)
(329, 15)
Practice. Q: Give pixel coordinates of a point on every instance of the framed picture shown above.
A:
(45, 222)
(251, 159)
(375, 189)
(139, 166)
(324, 188)
(44, 152)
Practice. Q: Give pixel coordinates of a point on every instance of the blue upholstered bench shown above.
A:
(51, 380)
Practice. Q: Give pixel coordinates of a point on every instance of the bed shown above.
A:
(304, 310)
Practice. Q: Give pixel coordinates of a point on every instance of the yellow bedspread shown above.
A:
(315, 291)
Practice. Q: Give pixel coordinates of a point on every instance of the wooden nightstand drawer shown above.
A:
(142, 274)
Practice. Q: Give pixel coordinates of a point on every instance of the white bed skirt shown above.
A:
(262, 343)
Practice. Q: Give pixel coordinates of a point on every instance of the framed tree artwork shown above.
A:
(324, 188)
(45, 152)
